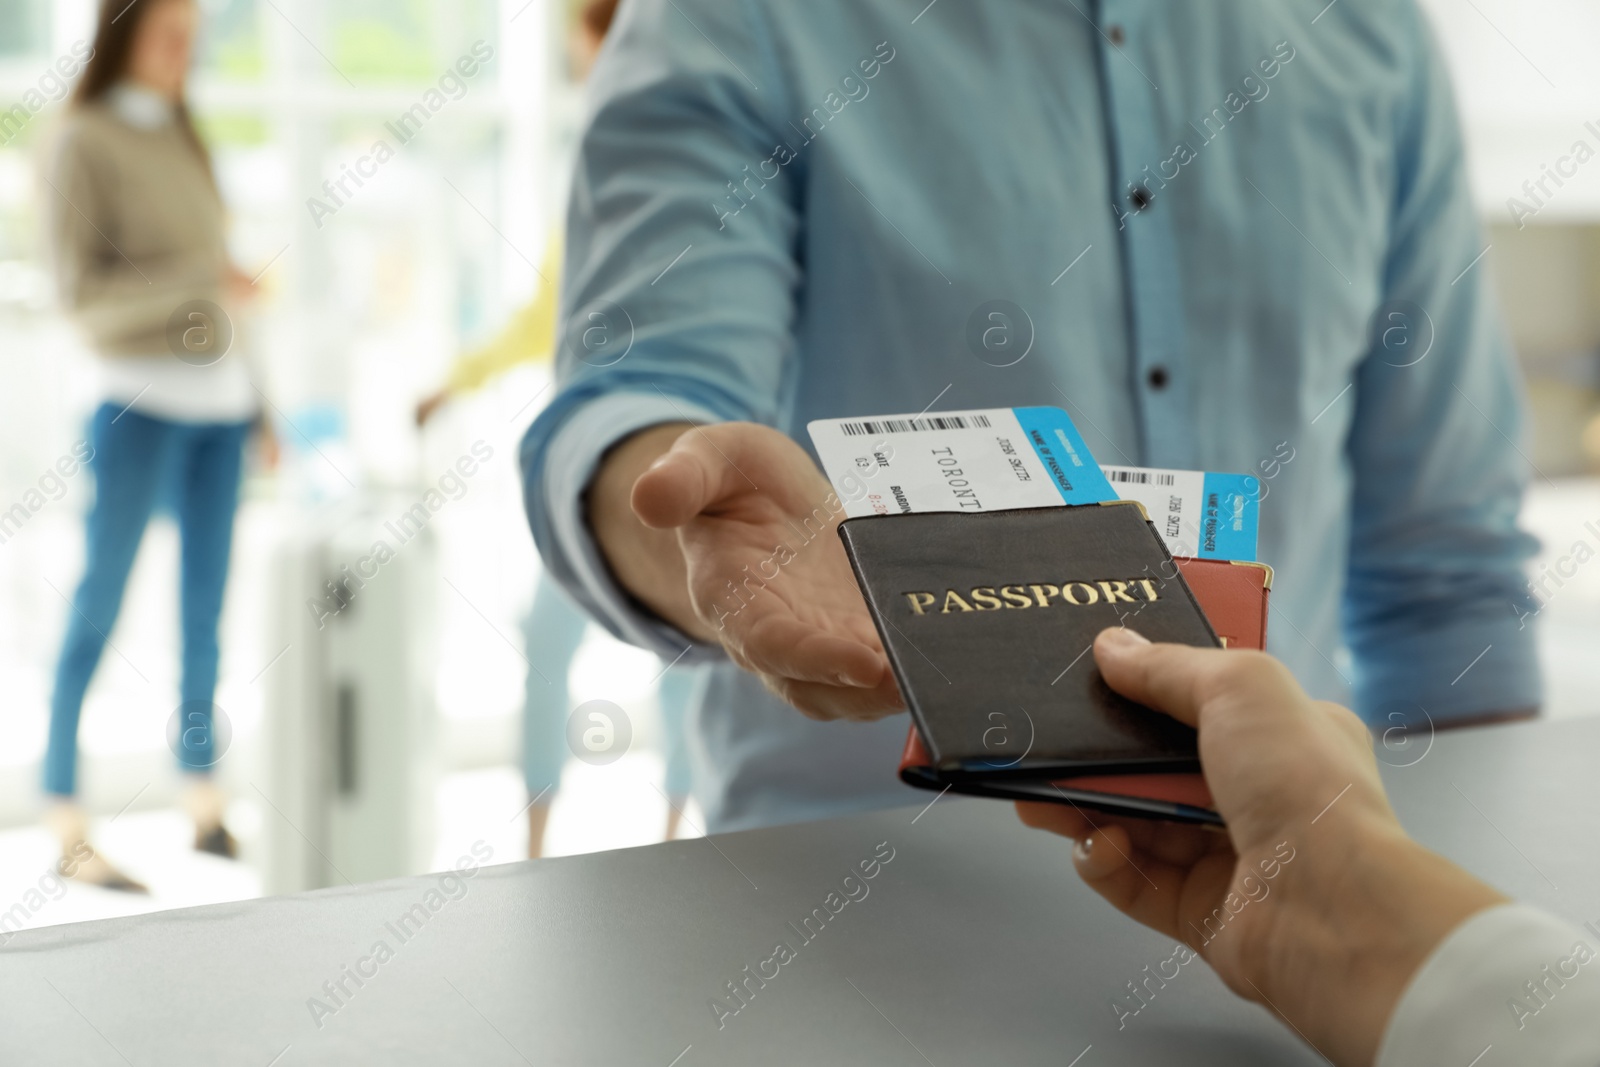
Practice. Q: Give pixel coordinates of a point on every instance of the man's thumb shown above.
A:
(675, 488)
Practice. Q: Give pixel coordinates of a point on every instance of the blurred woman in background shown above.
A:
(137, 236)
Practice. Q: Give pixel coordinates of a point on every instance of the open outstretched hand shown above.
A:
(767, 576)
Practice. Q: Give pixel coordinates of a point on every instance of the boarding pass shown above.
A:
(999, 459)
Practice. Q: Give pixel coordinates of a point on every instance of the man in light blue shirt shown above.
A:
(1234, 237)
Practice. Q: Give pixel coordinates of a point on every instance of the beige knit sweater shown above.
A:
(136, 228)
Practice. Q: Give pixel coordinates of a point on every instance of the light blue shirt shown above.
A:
(786, 211)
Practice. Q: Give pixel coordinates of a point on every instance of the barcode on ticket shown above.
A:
(1139, 477)
(874, 427)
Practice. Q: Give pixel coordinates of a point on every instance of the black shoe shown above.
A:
(216, 841)
(97, 872)
(121, 883)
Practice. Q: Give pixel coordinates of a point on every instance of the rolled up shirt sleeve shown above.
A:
(569, 549)
(1437, 609)
(678, 292)
(1512, 985)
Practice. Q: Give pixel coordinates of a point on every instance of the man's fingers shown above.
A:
(827, 703)
(778, 643)
(708, 464)
(680, 484)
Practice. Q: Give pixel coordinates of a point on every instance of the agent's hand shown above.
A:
(1272, 758)
(759, 566)
(1314, 902)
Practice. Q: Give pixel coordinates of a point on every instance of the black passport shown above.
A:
(988, 619)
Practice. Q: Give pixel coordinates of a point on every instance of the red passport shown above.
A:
(1234, 596)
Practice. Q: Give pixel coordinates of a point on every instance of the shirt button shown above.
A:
(1141, 197)
(1116, 35)
(1157, 377)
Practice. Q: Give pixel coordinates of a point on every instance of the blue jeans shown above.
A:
(139, 461)
(673, 693)
(552, 632)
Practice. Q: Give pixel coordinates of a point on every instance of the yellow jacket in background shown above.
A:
(529, 337)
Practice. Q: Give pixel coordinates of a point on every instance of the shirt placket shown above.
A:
(1160, 366)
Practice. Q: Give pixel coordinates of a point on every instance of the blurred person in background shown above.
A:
(554, 625)
(137, 236)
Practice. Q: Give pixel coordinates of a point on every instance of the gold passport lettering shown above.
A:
(1016, 597)
(1034, 595)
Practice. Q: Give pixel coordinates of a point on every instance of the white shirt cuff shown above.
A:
(1511, 985)
(574, 454)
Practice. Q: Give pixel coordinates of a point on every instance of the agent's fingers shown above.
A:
(1177, 844)
(1178, 679)
(1167, 842)
(1057, 818)
(1142, 887)
(1143, 869)
(1359, 735)
(1161, 676)
(1108, 863)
